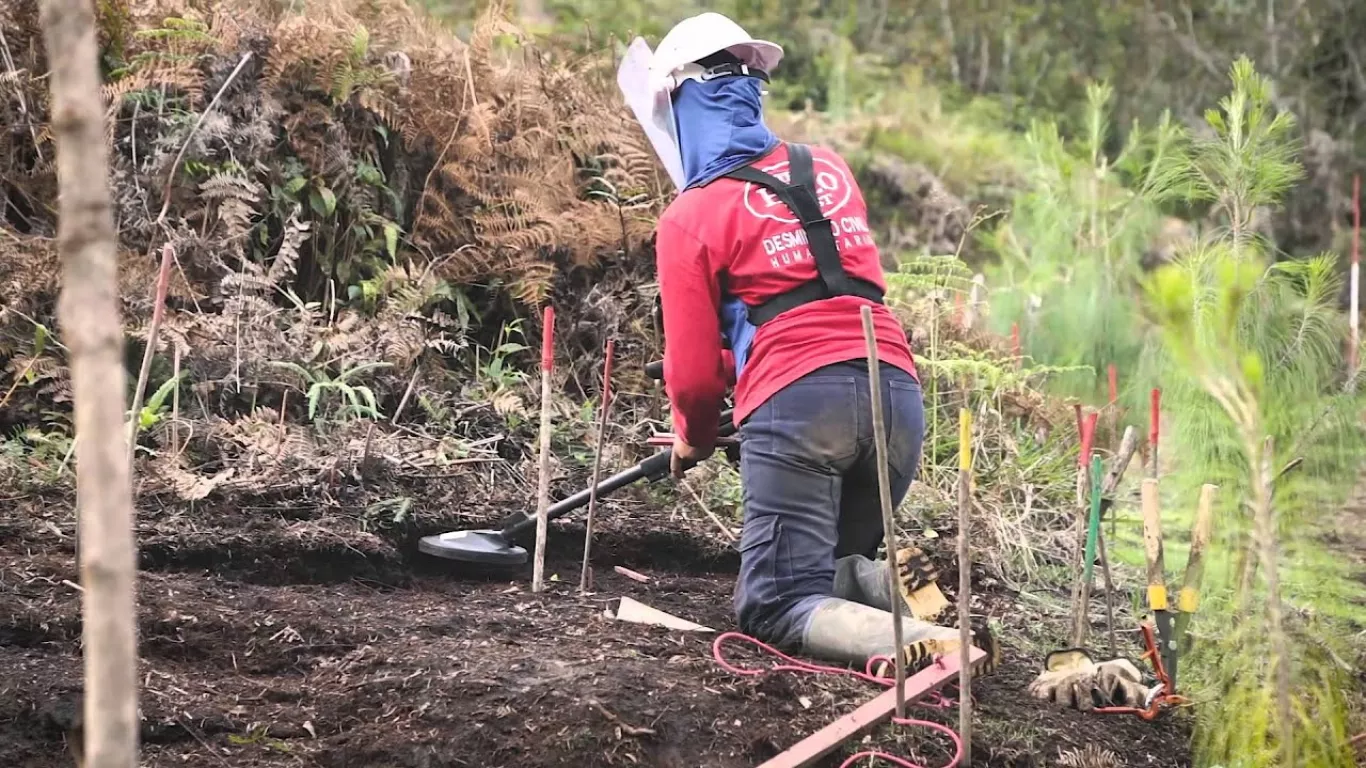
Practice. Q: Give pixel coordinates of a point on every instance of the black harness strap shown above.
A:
(800, 197)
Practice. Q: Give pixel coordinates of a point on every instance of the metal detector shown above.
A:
(495, 547)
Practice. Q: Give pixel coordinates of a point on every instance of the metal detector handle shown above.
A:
(652, 469)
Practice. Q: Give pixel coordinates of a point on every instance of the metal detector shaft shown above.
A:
(652, 469)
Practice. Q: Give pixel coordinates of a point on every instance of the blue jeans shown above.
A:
(808, 465)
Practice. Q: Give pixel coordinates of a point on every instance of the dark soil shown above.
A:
(277, 634)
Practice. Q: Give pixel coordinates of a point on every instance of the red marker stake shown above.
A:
(1088, 435)
(543, 475)
(1015, 343)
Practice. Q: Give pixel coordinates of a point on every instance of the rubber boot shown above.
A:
(864, 581)
(849, 632)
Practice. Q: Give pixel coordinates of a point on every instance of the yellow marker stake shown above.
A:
(965, 439)
(964, 580)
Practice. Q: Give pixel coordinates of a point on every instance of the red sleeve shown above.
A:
(694, 372)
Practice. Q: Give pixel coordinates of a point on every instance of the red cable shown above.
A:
(796, 665)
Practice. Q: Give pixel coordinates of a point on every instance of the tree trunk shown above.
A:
(89, 316)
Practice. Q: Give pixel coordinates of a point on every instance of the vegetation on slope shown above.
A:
(360, 208)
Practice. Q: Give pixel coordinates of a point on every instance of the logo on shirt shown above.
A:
(833, 191)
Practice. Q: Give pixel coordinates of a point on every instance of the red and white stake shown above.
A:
(543, 475)
(1354, 351)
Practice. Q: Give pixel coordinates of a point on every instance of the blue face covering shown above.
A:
(721, 127)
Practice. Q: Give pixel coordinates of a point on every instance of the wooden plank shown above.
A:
(875, 712)
(630, 574)
(640, 613)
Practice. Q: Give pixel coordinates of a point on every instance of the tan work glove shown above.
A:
(1118, 683)
(1066, 679)
(1071, 678)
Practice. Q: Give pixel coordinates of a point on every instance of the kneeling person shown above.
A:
(768, 246)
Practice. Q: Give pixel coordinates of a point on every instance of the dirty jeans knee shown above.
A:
(809, 472)
(796, 448)
(860, 520)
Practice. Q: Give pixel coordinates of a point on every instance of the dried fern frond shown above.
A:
(285, 264)
(157, 71)
(235, 197)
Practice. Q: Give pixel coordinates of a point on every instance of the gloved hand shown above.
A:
(733, 454)
(1071, 678)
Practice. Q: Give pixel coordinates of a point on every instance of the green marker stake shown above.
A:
(1093, 530)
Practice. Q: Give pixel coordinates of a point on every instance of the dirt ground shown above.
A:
(281, 633)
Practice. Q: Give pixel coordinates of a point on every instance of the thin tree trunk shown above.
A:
(1264, 527)
(89, 315)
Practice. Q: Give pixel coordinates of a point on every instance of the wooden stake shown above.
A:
(1112, 407)
(1152, 545)
(175, 400)
(976, 298)
(885, 492)
(1188, 599)
(88, 310)
(1081, 425)
(964, 581)
(1154, 422)
(158, 310)
(1128, 446)
(1088, 432)
(543, 476)
(597, 464)
(1082, 626)
(1109, 595)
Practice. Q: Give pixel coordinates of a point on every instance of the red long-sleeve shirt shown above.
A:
(740, 235)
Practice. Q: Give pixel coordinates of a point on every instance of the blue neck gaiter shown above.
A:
(720, 126)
